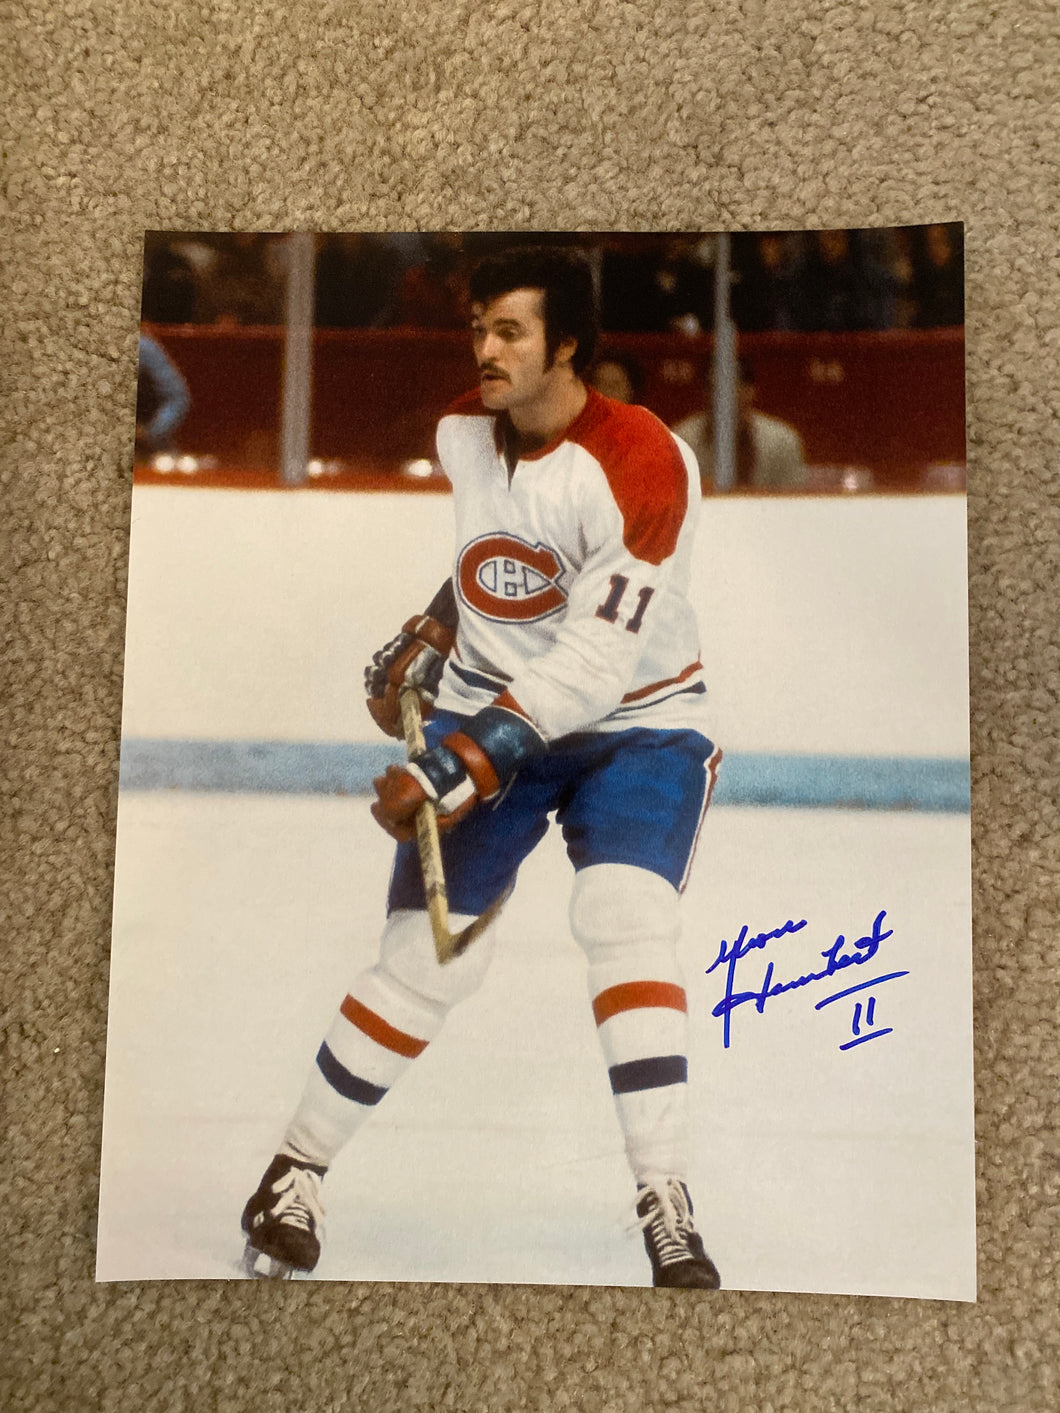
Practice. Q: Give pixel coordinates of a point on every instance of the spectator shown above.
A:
(660, 285)
(896, 251)
(433, 292)
(761, 288)
(769, 454)
(938, 276)
(356, 282)
(617, 378)
(162, 398)
(839, 285)
(243, 280)
(169, 283)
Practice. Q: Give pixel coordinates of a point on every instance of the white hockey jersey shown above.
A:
(571, 574)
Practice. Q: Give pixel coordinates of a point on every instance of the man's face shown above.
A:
(509, 341)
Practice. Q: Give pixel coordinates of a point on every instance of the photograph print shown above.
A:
(543, 842)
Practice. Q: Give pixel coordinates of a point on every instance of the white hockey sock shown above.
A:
(379, 1029)
(391, 1014)
(627, 922)
(642, 1027)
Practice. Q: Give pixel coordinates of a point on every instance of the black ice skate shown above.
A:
(282, 1220)
(675, 1248)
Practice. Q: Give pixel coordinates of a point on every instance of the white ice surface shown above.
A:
(240, 920)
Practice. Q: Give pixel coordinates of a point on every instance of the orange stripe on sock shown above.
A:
(377, 1029)
(632, 995)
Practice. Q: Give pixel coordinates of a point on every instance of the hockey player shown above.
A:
(562, 662)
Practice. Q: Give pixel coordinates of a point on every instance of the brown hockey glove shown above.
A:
(415, 658)
(440, 775)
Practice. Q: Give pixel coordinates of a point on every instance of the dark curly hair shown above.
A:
(566, 281)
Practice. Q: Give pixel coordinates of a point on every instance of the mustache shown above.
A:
(491, 368)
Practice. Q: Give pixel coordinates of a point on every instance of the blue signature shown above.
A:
(837, 958)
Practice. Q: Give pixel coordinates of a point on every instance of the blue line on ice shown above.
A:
(934, 783)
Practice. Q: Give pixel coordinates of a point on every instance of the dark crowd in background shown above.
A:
(831, 281)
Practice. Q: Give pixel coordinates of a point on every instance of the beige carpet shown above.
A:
(621, 113)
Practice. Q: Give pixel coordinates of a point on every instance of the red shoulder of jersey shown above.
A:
(644, 469)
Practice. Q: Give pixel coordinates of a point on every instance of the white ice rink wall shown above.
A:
(833, 629)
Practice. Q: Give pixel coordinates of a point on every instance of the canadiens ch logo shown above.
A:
(510, 581)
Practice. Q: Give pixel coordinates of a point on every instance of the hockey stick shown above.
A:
(447, 944)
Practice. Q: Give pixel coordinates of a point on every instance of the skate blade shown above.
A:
(256, 1265)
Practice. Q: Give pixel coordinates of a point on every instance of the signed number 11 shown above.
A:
(608, 610)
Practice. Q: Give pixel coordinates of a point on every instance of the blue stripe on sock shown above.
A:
(654, 1073)
(350, 1086)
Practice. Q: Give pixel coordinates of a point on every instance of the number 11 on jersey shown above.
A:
(608, 610)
